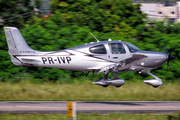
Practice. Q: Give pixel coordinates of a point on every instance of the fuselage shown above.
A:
(94, 56)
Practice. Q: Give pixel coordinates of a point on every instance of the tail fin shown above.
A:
(16, 44)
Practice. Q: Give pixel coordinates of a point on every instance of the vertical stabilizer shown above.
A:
(16, 44)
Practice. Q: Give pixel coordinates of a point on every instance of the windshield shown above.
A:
(132, 48)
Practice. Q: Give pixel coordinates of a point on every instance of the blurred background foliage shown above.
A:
(165, 2)
(69, 24)
(17, 12)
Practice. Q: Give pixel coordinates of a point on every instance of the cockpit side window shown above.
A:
(98, 49)
(117, 48)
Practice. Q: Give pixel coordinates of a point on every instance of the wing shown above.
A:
(132, 61)
(125, 64)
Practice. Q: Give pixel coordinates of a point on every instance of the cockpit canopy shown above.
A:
(115, 48)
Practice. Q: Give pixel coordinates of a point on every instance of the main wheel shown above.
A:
(105, 85)
(117, 86)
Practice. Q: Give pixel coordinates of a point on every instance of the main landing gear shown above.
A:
(105, 82)
(117, 82)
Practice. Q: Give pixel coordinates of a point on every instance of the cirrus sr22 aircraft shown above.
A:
(96, 57)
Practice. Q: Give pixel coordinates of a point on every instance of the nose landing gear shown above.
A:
(153, 82)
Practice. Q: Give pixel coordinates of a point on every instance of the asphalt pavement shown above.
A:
(91, 106)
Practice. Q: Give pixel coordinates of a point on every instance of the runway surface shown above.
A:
(90, 106)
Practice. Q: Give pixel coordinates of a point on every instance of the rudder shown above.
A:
(16, 44)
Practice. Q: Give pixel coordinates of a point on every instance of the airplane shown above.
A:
(101, 56)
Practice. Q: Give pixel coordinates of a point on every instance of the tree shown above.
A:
(18, 12)
(100, 15)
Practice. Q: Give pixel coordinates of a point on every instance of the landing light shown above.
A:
(142, 63)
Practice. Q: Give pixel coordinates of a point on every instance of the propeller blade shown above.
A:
(170, 51)
(165, 49)
(170, 57)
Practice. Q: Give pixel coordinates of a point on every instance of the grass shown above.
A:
(86, 91)
(112, 116)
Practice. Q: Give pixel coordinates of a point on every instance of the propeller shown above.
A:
(170, 57)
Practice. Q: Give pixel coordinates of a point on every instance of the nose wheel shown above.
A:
(105, 85)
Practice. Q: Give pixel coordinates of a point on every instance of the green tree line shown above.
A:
(165, 2)
(69, 25)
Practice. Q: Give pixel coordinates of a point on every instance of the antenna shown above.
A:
(94, 37)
